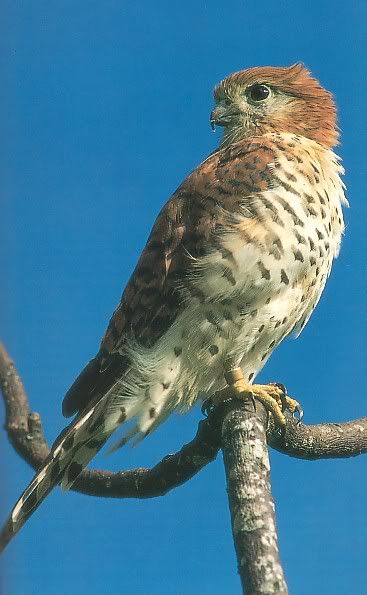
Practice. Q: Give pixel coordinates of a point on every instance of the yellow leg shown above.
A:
(272, 396)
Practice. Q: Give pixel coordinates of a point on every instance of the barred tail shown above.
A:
(84, 437)
(72, 451)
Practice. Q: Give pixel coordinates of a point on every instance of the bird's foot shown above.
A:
(287, 403)
(273, 396)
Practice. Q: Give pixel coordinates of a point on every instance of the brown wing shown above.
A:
(186, 228)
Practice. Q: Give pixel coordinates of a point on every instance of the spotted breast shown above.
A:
(264, 270)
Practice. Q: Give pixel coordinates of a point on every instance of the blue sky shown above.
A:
(105, 111)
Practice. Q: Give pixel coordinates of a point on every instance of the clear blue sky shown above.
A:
(105, 111)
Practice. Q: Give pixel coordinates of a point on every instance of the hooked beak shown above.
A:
(212, 122)
(222, 116)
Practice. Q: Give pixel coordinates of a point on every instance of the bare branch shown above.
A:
(321, 441)
(307, 442)
(235, 427)
(251, 504)
(26, 435)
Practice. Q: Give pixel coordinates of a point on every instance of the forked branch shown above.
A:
(239, 431)
(24, 428)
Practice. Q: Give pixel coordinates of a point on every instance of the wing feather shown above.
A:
(187, 226)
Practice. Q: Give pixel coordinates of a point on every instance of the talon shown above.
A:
(280, 386)
(282, 397)
(207, 407)
(297, 414)
(273, 396)
(272, 402)
(295, 408)
(288, 403)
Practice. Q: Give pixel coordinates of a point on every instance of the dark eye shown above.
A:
(258, 93)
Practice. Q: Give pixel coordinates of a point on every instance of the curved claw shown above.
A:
(281, 387)
(207, 407)
(298, 414)
(283, 394)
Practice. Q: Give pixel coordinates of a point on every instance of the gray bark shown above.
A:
(247, 466)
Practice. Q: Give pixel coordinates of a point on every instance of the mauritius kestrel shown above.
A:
(236, 261)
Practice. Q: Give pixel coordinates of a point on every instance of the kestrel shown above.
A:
(236, 261)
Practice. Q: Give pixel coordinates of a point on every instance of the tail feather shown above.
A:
(83, 438)
(72, 451)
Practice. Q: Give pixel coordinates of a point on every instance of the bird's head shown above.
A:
(267, 99)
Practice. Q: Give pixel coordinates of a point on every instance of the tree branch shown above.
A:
(25, 433)
(247, 466)
(320, 441)
(235, 427)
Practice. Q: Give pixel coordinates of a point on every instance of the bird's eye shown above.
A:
(258, 93)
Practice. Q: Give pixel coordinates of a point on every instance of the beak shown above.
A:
(215, 118)
(222, 116)
(212, 121)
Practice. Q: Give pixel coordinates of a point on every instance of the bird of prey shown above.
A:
(236, 261)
